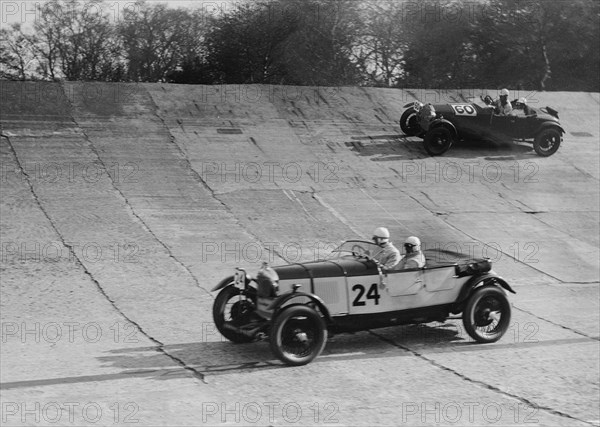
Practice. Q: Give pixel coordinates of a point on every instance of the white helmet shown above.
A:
(522, 101)
(381, 233)
(412, 244)
(504, 92)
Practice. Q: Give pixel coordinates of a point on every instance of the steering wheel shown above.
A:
(358, 250)
(487, 99)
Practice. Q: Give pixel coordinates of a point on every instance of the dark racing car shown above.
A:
(296, 305)
(440, 125)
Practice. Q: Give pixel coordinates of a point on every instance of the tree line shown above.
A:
(520, 44)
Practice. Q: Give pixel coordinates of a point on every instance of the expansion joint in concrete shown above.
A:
(478, 383)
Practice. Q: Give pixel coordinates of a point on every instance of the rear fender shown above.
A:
(279, 303)
(476, 282)
(445, 123)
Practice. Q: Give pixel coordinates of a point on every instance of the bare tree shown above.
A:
(75, 41)
(156, 39)
(17, 54)
(380, 49)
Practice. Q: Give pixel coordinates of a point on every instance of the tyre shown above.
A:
(233, 309)
(547, 142)
(298, 335)
(409, 123)
(438, 140)
(487, 314)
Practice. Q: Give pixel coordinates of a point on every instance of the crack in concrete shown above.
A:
(477, 240)
(159, 345)
(575, 331)
(478, 382)
(198, 178)
(132, 210)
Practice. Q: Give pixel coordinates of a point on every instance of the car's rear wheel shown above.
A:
(233, 309)
(298, 335)
(547, 142)
(487, 314)
(438, 140)
(409, 122)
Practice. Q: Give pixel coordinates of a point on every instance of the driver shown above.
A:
(389, 255)
(414, 258)
(502, 106)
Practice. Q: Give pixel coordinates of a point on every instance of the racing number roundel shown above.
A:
(464, 109)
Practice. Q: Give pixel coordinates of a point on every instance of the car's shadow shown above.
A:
(219, 357)
(381, 148)
(392, 147)
(491, 150)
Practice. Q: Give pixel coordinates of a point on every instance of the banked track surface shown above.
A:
(163, 189)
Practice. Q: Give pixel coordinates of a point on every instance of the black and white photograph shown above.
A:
(300, 213)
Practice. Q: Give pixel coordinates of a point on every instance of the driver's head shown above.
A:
(412, 244)
(504, 94)
(381, 235)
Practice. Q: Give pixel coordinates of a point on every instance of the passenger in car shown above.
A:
(522, 104)
(389, 255)
(414, 258)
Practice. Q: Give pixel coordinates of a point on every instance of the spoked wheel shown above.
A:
(547, 142)
(438, 140)
(233, 309)
(487, 314)
(298, 335)
(409, 122)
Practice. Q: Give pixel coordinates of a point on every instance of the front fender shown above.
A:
(443, 122)
(278, 304)
(476, 282)
(223, 283)
(548, 125)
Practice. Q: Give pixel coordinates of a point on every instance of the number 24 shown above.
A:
(372, 293)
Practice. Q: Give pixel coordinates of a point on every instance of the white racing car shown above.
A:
(296, 305)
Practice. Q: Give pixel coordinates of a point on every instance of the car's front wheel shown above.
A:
(487, 314)
(547, 142)
(409, 122)
(298, 335)
(438, 140)
(233, 309)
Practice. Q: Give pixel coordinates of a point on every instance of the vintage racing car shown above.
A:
(440, 125)
(296, 305)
